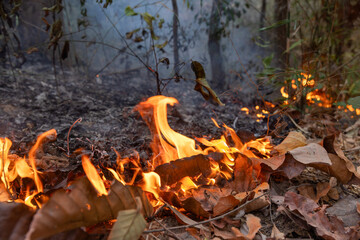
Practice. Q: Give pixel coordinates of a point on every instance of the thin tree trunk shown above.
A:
(216, 60)
(175, 33)
(281, 33)
(263, 13)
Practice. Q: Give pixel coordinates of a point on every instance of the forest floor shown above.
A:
(32, 104)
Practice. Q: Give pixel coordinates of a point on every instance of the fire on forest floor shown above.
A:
(212, 186)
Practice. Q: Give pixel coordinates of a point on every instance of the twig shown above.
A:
(172, 234)
(68, 136)
(205, 221)
(300, 128)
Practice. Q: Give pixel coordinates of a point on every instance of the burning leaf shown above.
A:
(292, 141)
(311, 153)
(174, 171)
(82, 207)
(328, 227)
(201, 83)
(93, 175)
(129, 224)
(253, 226)
(225, 204)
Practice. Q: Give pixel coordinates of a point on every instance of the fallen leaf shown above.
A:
(81, 206)
(346, 210)
(225, 204)
(185, 220)
(291, 168)
(311, 153)
(276, 234)
(201, 83)
(328, 227)
(358, 207)
(331, 145)
(257, 204)
(244, 175)
(129, 224)
(253, 226)
(174, 171)
(194, 206)
(293, 140)
(337, 169)
(273, 162)
(15, 219)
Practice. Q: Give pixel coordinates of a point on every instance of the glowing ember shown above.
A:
(246, 110)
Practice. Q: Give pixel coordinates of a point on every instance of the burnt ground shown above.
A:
(33, 103)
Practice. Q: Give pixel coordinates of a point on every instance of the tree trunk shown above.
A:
(263, 13)
(175, 34)
(216, 60)
(281, 33)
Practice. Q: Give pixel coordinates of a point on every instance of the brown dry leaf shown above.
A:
(311, 153)
(174, 171)
(308, 191)
(256, 204)
(225, 204)
(244, 176)
(273, 162)
(346, 210)
(358, 207)
(337, 169)
(276, 234)
(209, 197)
(15, 219)
(82, 207)
(292, 141)
(202, 85)
(185, 220)
(328, 227)
(253, 226)
(333, 147)
(291, 168)
(194, 206)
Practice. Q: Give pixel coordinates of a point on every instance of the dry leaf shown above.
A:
(256, 204)
(253, 226)
(244, 175)
(201, 83)
(185, 220)
(311, 153)
(15, 219)
(273, 162)
(346, 210)
(194, 206)
(337, 169)
(82, 207)
(328, 227)
(225, 204)
(129, 224)
(291, 168)
(174, 171)
(276, 234)
(292, 141)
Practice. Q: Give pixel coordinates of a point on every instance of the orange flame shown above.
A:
(93, 175)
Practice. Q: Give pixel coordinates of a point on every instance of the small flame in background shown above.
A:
(317, 96)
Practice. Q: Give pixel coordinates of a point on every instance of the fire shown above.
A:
(13, 166)
(93, 175)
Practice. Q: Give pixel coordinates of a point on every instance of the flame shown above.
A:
(245, 109)
(283, 93)
(167, 144)
(93, 175)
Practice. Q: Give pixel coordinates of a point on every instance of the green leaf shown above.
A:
(294, 45)
(129, 225)
(130, 12)
(267, 60)
(277, 24)
(355, 102)
(161, 22)
(202, 84)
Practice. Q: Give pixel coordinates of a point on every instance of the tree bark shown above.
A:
(216, 60)
(281, 33)
(175, 34)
